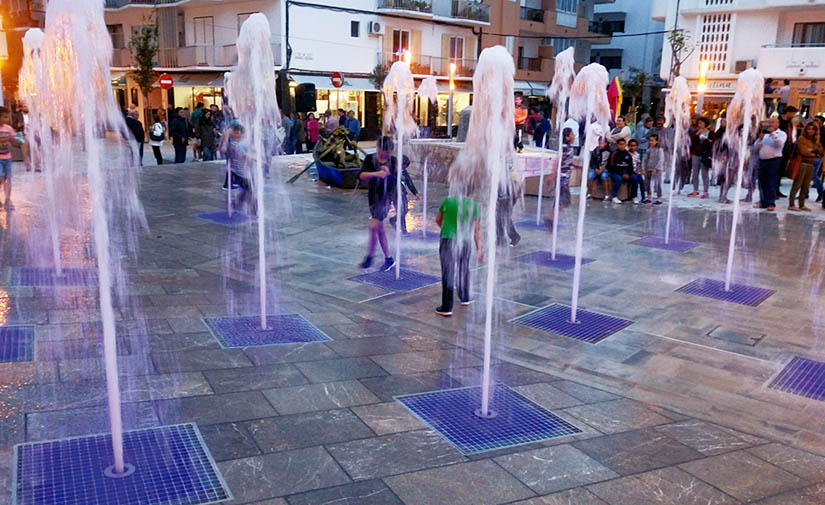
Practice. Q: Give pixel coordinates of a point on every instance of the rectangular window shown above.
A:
(569, 6)
(355, 29)
(809, 34)
(456, 50)
(611, 62)
(559, 44)
(116, 32)
(204, 30)
(400, 42)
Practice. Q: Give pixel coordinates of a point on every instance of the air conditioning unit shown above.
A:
(743, 65)
(376, 28)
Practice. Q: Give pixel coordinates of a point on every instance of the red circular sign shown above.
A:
(165, 81)
(337, 79)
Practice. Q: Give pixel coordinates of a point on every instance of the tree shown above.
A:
(379, 73)
(680, 51)
(144, 47)
(634, 87)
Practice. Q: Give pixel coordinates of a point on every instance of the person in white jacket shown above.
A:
(621, 131)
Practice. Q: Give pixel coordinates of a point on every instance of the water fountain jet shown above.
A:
(677, 116)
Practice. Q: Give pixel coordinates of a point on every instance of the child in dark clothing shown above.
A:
(237, 154)
(620, 167)
(406, 182)
(564, 184)
(377, 169)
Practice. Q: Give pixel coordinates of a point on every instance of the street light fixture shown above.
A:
(450, 102)
(700, 102)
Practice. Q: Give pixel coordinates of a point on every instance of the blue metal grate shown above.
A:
(16, 343)
(171, 467)
(517, 420)
(531, 224)
(410, 280)
(739, 293)
(591, 327)
(545, 259)
(221, 217)
(245, 331)
(659, 243)
(39, 277)
(803, 377)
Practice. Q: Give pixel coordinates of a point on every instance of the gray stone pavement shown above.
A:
(673, 409)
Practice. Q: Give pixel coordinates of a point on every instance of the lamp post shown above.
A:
(450, 102)
(700, 101)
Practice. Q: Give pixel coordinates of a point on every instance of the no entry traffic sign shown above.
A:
(337, 79)
(165, 81)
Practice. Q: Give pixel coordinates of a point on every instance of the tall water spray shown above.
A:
(588, 104)
(429, 90)
(399, 91)
(482, 163)
(677, 116)
(744, 111)
(558, 93)
(255, 105)
(76, 85)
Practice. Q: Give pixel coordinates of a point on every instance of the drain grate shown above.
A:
(171, 467)
(245, 331)
(739, 293)
(545, 258)
(16, 344)
(43, 277)
(408, 281)
(657, 242)
(222, 218)
(517, 420)
(591, 327)
(803, 377)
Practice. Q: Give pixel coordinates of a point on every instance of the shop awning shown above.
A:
(119, 78)
(324, 82)
(530, 88)
(198, 79)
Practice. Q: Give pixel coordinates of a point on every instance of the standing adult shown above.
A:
(809, 149)
(812, 90)
(770, 143)
(770, 103)
(156, 135)
(521, 121)
(354, 126)
(136, 128)
(312, 129)
(331, 122)
(196, 141)
(543, 130)
(786, 125)
(642, 131)
(701, 153)
(620, 132)
(207, 135)
(784, 95)
(573, 125)
(289, 135)
(300, 133)
(179, 134)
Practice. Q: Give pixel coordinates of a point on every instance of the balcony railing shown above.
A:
(117, 4)
(529, 14)
(470, 10)
(432, 65)
(407, 5)
(529, 64)
(191, 56)
(807, 62)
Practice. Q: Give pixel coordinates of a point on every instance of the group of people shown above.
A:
(301, 131)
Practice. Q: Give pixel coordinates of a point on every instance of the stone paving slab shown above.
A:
(554, 469)
(307, 430)
(369, 492)
(665, 486)
(312, 397)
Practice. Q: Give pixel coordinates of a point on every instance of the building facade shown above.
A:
(17, 16)
(623, 53)
(784, 39)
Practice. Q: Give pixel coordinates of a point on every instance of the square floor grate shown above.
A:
(803, 377)
(221, 217)
(16, 343)
(42, 277)
(591, 327)
(545, 259)
(673, 244)
(739, 293)
(245, 331)
(517, 420)
(171, 467)
(408, 281)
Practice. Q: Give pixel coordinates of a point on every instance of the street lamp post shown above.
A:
(450, 102)
(700, 101)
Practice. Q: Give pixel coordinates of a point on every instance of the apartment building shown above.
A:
(784, 39)
(16, 16)
(535, 31)
(638, 45)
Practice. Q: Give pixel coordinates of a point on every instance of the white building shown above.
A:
(622, 53)
(784, 39)
(311, 40)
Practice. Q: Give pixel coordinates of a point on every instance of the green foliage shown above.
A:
(144, 47)
(635, 84)
(679, 41)
(379, 73)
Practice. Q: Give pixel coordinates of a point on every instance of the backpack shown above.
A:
(157, 132)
